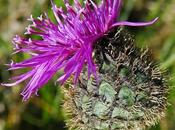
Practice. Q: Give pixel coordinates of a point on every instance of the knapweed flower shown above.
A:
(66, 45)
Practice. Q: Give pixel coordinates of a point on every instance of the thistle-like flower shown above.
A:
(117, 84)
(66, 45)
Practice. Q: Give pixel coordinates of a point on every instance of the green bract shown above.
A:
(130, 94)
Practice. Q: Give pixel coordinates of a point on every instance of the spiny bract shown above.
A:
(131, 93)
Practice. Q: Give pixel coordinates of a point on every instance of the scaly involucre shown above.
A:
(67, 44)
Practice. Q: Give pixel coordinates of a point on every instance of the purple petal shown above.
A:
(125, 23)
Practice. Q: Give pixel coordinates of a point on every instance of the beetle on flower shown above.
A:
(66, 45)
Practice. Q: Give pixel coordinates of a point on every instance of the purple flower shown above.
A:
(67, 44)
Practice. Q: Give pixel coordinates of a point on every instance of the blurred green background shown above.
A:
(44, 112)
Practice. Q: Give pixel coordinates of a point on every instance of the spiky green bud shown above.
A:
(131, 93)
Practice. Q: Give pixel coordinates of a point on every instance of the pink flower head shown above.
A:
(67, 44)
